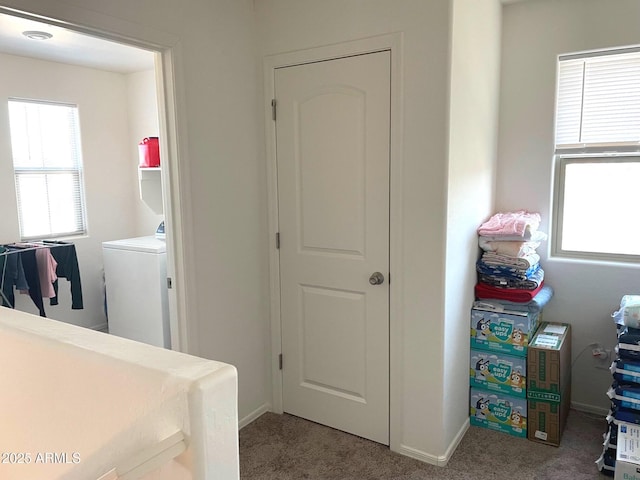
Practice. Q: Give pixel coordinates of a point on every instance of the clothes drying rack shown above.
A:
(13, 248)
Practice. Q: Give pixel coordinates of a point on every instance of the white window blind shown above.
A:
(597, 162)
(47, 161)
(598, 100)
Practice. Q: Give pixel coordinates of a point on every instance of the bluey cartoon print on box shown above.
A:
(502, 332)
(498, 373)
(497, 411)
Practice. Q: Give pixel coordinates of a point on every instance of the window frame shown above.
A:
(561, 162)
(76, 171)
(567, 154)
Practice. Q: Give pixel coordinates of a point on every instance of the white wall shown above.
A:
(222, 168)
(110, 188)
(142, 106)
(473, 135)
(224, 192)
(287, 25)
(534, 33)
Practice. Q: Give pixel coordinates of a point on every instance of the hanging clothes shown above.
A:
(11, 275)
(46, 271)
(34, 269)
(5, 293)
(67, 260)
(30, 265)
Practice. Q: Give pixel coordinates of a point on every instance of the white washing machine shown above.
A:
(135, 272)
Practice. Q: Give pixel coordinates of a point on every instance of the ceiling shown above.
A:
(67, 46)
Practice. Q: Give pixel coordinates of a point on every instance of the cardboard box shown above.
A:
(496, 372)
(547, 420)
(628, 452)
(498, 411)
(549, 382)
(626, 471)
(501, 331)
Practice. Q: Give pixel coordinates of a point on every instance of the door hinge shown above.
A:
(278, 240)
(280, 361)
(273, 109)
(169, 283)
(389, 278)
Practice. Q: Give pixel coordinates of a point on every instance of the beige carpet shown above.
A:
(287, 447)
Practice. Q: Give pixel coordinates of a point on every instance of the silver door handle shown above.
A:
(376, 278)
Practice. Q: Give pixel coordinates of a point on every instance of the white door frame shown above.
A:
(393, 43)
(175, 175)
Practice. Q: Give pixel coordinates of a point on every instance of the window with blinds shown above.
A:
(47, 162)
(597, 156)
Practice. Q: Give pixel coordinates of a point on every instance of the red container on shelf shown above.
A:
(149, 152)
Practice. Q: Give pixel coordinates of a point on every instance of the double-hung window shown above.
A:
(597, 156)
(47, 161)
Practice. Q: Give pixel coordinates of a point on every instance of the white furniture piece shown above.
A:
(135, 272)
(109, 408)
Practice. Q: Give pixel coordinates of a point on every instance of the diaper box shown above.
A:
(497, 411)
(627, 465)
(501, 331)
(497, 372)
(549, 382)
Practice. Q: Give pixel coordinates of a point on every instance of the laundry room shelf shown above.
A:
(150, 180)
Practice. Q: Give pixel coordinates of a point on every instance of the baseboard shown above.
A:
(585, 407)
(454, 443)
(258, 412)
(418, 455)
(438, 460)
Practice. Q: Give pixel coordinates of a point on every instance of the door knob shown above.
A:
(376, 278)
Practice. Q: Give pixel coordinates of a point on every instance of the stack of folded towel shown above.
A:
(509, 269)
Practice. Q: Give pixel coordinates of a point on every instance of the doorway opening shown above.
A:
(384, 43)
(123, 200)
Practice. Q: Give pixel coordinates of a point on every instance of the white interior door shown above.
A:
(332, 139)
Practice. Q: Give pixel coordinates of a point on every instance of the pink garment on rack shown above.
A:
(46, 271)
(510, 223)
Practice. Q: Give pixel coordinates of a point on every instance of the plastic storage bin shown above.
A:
(149, 152)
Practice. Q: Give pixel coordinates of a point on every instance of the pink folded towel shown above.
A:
(510, 223)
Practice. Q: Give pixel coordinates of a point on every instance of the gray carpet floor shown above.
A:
(285, 447)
